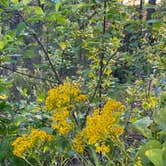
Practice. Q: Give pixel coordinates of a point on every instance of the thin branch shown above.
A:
(101, 59)
(27, 75)
(104, 21)
(100, 80)
(104, 67)
(48, 58)
(44, 50)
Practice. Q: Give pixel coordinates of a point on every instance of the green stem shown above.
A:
(123, 151)
(27, 161)
(110, 161)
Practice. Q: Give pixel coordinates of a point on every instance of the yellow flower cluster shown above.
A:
(61, 122)
(102, 148)
(28, 141)
(78, 143)
(102, 125)
(64, 96)
(61, 101)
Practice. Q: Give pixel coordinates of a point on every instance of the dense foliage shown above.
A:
(83, 82)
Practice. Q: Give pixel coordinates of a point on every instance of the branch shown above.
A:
(27, 75)
(47, 56)
(104, 67)
(43, 49)
(101, 60)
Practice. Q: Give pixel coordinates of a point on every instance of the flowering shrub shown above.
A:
(100, 126)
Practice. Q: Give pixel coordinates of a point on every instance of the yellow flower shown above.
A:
(27, 141)
(78, 143)
(64, 96)
(61, 122)
(102, 148)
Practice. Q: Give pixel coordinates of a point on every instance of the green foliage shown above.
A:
(111, 49)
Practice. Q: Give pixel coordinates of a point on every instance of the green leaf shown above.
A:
(57, 6)
(153, 21)
(25, 1)
(28, 53)
(55, 16)
(38, 10)
(15, 1)
(47, 129)
(62, 45)
(142, 126)
(155, 156)
(160, 118)
(153, 144)
(20, 27)
(36, 13)
(4, 3)
(94, 155)
(2, 45)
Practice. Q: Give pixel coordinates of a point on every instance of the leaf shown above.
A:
(160, 118)
(155, 156)
(2, 45)
(142, 126)
(36, 13)
(55, 16)
(14, 1)
(20, 27)
(25, 1)
(47, 129)
(4, 3)
(96, 160)
(57, 6)
(153, 21)
(38, 10)
(153, 144)
(62, 45)
(28, 53)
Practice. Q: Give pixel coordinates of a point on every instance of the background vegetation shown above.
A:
(83, 82)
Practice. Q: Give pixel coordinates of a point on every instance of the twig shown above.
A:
(28, 75)
(43, 49)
